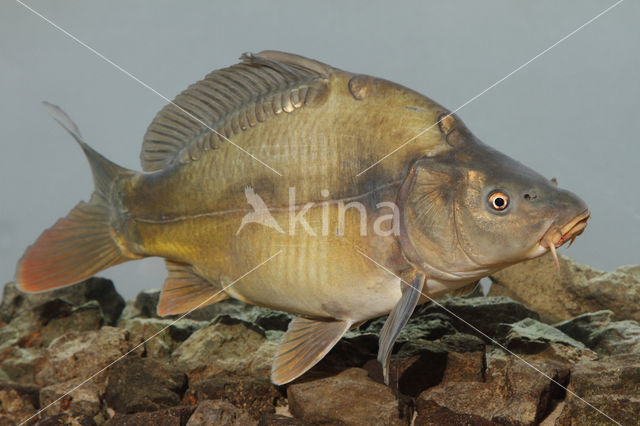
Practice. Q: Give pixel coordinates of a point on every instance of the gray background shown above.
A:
(572, 114)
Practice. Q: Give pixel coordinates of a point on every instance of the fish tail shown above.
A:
(82, 243)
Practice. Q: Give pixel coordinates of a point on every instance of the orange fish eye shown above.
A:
(498, 200)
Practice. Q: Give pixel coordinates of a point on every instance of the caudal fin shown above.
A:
(80, 244)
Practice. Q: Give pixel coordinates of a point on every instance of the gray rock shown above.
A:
(99, 289)
(600, 333)
(68, 398)
(531, 336)
(147, 302)
(143, 384)
(226, 347)
(20, 364)
(221, 413)
(482, 313)
(575, 290)
(81, 354)
(159, 337)
(350, 398)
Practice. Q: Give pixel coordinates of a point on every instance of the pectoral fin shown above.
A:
(398, 317)
(304, 344)
(184, 290)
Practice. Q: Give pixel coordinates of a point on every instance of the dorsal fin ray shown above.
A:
(231, 100)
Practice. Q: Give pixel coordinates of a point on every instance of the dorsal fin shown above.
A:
(229, 101)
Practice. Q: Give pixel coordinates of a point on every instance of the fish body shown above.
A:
(342, 246)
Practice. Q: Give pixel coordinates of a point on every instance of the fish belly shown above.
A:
(320, 274)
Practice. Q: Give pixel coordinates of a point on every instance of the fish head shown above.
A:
(472, 210)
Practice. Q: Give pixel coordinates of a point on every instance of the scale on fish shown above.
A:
(440, 213)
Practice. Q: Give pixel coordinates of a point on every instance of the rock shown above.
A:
(600, 333)
(20, 364)
(431, 414)
(143, 384)
(159, 336)
(612, 385)
(219, 412)
(350, 398)
(82, 400)
(280, 420)
(575, 290)
(147, 302)
(174, 416)
(508, 391)
(485, 314)
(85, 317)
(531, 336)
(257, 397)
(41, 324)
(67, 419)
(17, 402)
(99, 289)
(226, 347)
(81, 354)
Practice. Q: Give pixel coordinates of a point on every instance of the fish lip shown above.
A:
(561, 234)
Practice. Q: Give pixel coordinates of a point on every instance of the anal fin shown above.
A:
(398, 317)
(305, 343)
(184, 290)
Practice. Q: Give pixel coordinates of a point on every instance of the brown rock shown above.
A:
(101, 290)
(17, 402)
(511, 392)
(81, 354)
(143, 384)
(280, 420)
(228, 346)
(575, 290)
(70, 399)
(67, 419)
(612, 385)
(431, 414)
(221, 413)
(175, 416)
(420, 364)
(350, 398)
(257, 397)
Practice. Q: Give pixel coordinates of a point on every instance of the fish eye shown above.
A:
(498, 200)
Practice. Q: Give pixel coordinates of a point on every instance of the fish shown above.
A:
(287, 183)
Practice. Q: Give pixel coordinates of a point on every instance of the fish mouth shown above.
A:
(556, 236)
